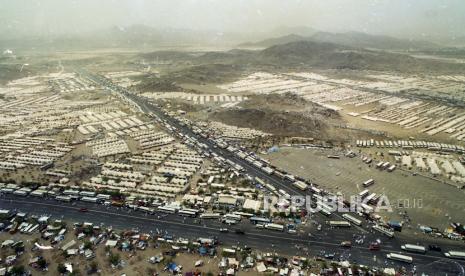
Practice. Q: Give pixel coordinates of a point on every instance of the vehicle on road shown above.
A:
(346, 244)
(239, 231)
(83, 210)
(414, 248)
(434, 247)
(329, 256)
(400, 258)
(374, 246)
(224, 230)
(455, 254)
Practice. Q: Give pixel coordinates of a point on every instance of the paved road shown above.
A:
(327, 240)
(322, 241)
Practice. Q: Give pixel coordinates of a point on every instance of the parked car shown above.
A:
(239, 231)
(374, 246)
(346, 244)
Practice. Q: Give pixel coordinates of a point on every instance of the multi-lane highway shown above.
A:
(327, 240)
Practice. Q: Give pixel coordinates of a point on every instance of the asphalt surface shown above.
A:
(325, 241)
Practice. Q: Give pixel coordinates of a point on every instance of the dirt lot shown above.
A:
(429, 200)
(135, 261)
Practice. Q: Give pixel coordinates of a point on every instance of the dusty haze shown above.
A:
(424, 19)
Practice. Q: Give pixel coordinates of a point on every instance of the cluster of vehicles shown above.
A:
(409, 145)
(422, 250)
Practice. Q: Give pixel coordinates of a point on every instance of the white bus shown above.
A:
(71, 192)
(369, 182)
(232, 217)
(325, 212)
(315, 190)
(104, 196)
(364, 193)
(89, 199)
(399, 257)
(147, 210)
(256, 220)
(367, 208)
(260, 181)
(352, 219)
(243, 214)
(283, 193)
(188, 212)
(270, 187)
(455, 255)
(413, 248)
(210, 216)
(63, 198)
(86, 193)
(383, 230)
(165, 209)
(339, 223)
(34, 228)
(274, 226)
(300, 185)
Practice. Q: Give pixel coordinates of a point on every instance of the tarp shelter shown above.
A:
(202, 251)
(273, 149)
(261, 267)
(111, 243)
(172, 267)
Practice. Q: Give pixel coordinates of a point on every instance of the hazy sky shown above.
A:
(393, 17)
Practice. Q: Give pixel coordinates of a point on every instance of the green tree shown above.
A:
(42, 263)
(17, 270)
(61, 268)
(114, 259)
(87, 245)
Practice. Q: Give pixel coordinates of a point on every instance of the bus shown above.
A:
(325, 212)
(339, 223)
(32, 229)
(232, 217)
(283, 193)
(243, 214)
(383, 230)
(399, 257)
(370, 198)
(63, 198)
(104, 196)
(368, 183)
(71, 192)
(270, 187)
(367, 208)
(363, 193)
(256, 220)
(165, 209)
(188, 212)
(300, 185)
(147, 210)
(315, 190)
(455, 255)
(90, 199)
(274, 226)
(210, 216)
(352, 219)
(413, 248)
(86, 193)
(260, 181)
